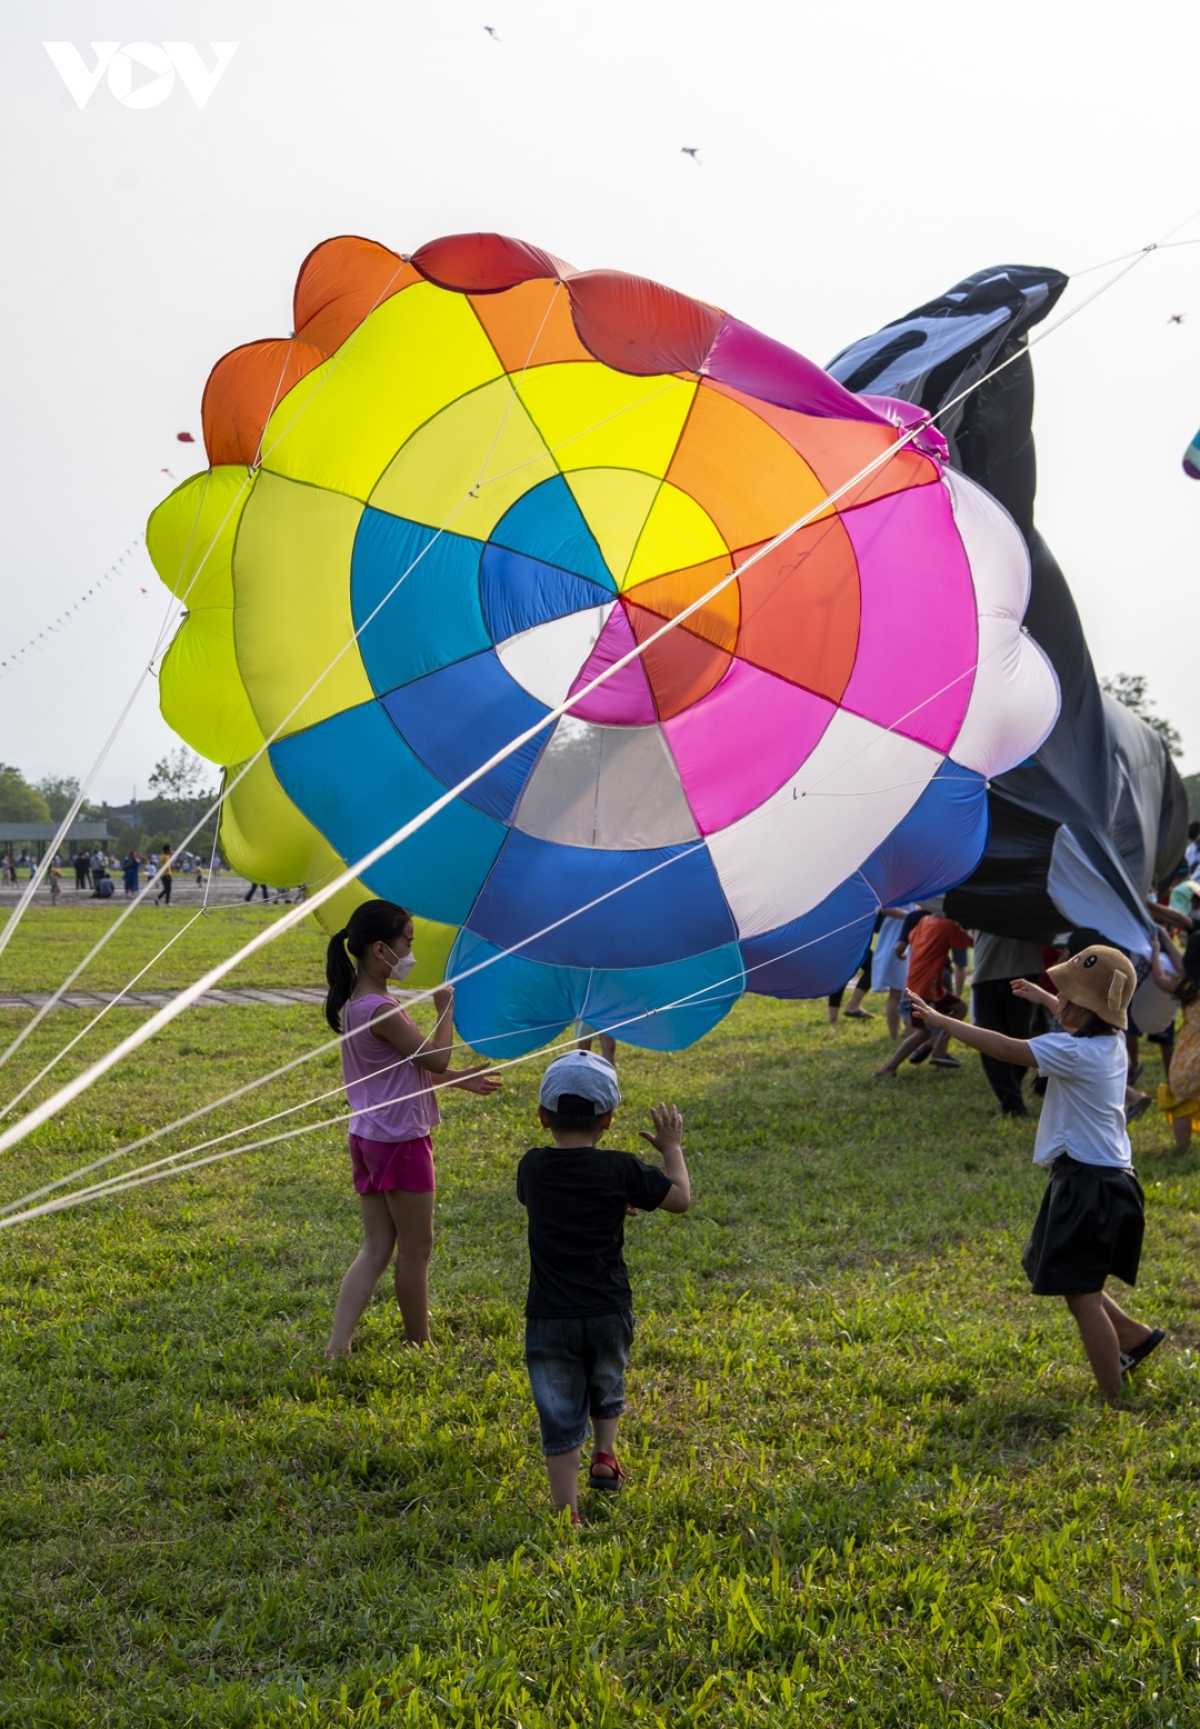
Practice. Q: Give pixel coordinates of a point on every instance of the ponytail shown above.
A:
(373, 922)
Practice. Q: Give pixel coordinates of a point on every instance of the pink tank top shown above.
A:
(376, 1074)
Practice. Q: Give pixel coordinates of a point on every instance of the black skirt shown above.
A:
(1089, 1225)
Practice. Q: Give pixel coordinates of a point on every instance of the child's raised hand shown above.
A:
(668, 1128)
(1024, 988)
(443, 998)
(479, 1079)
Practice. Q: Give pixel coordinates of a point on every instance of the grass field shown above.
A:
(868, 1483)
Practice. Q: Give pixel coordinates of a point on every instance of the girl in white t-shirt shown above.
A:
(1092, 1215)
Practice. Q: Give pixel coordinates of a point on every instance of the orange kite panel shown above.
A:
(243, 390)
(758, 494)
(341, 282)
(717, 619)
(681, 668)
(530, 325)
(800, 609)
(837, 449)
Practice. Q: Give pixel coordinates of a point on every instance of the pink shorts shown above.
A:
(383, 1165)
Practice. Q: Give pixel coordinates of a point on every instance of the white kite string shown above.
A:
(140, 1176)
(164, 1016)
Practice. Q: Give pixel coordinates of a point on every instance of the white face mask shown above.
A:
(402, 965)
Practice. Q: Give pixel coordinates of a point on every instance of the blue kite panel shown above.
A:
(815, 954)
(518, 592)
(428, 584)
(459, 716)
(547, 524)
(939, 842)
(512, 1005)
(663, 904)
(357, 781)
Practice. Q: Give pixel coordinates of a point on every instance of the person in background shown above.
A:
(1092, 1217)
(164, 875)
(129, 870)
(83, 872)
(1179, 976)
(54, 877)
(608, 1045)
(930, 944)
(854, 1009)
(998, 961)
(249, 894)
(1191, 853)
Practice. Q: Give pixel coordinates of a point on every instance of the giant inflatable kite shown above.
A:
(473, 481)
(1082, 830)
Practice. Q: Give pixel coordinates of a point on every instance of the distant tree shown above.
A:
(1132, 689)
(181, 775)
(60, 792)
(20, 802)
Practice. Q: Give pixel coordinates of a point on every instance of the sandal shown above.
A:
(1132, 1359)
(609, 1484)
(1138, 1108)
(858, 1015)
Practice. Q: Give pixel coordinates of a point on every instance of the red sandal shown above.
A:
(609, 1484)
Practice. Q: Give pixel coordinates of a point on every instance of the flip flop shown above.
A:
(1139, 1109)
(857, 1015)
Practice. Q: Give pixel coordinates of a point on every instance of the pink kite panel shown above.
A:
(625, 699)
(742, 741)
(918, 638)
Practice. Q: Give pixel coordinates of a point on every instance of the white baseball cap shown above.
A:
(583, 1075)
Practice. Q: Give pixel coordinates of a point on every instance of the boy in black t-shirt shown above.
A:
(579, 1311)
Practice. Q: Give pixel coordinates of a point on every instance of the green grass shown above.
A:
(869, 1485)
(52, 941)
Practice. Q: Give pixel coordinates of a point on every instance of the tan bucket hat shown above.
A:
(1100, 979)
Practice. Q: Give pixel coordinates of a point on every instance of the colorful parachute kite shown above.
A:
(474, 479)
(1191, 459)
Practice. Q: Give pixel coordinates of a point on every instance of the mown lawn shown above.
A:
(868, 1483)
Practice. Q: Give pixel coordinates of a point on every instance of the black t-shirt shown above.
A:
(576, 1199)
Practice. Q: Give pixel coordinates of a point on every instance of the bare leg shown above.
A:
(1129, 1332)
(604, 1440)
(960, 980)
(563, 1472)
(364, 1273)
(608, 1048)
(1100, 1341)
(856, 1000)
(1181, 1128)
(412, 1218)
(893, 1015)
(912, 1043)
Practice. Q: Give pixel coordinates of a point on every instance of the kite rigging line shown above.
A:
(139, 1177)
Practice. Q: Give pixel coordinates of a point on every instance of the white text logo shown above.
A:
(162, 60)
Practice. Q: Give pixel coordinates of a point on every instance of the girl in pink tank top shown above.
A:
(391, 1070)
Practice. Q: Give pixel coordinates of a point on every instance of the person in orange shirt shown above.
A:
(929, 950)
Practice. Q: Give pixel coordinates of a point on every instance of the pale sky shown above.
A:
(854, 160)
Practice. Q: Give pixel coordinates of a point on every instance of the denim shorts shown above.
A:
(576, 1370)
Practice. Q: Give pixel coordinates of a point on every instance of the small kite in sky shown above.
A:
(690, 150)
(185, 438)
(491, 33)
